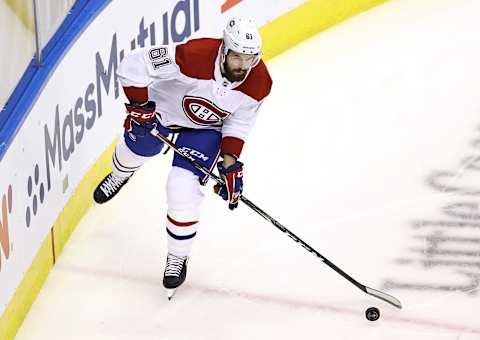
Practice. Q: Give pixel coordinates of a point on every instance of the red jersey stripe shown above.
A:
(196, 58)
(231, 145)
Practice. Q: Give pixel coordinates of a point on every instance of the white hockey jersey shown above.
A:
(189, 90)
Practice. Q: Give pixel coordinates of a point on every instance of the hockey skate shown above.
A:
(108, 188)
(175, 273)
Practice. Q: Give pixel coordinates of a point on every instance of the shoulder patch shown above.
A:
(258, 83)
(159, 57)
(196, 58)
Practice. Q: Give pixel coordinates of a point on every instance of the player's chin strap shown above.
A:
(373, 292)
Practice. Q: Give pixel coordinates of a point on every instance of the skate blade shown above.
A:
(171, 293)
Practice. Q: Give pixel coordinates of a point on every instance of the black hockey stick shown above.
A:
(373, 292)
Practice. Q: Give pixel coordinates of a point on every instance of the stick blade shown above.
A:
(384, 296)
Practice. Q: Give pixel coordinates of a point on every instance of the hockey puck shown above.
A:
(372, 313)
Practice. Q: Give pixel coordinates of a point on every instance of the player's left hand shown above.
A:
(233, 177)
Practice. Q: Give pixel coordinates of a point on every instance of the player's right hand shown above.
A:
(233, 187)
(141, 115)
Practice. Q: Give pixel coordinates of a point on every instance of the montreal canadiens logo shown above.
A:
(203, 112)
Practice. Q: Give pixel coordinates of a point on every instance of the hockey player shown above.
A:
(207, 90)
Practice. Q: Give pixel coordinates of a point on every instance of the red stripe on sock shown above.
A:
(181, 224)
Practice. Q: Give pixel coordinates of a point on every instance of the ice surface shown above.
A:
(367, 149)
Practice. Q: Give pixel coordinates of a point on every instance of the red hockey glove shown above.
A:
(233, 177)
(141, 114)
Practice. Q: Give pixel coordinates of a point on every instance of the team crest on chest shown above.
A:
(203, 112)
